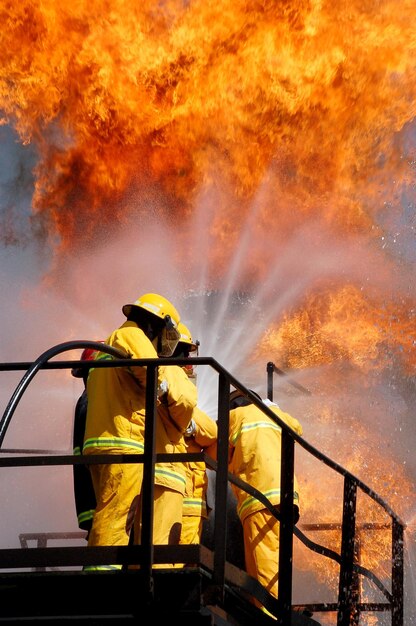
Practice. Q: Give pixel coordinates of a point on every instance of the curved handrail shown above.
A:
(311, 449)
(70, 345)
(312, 545)
(226, 380)
(36, 366)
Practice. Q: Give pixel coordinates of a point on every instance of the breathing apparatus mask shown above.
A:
(191, 369)
(168, 338)
(186, 350)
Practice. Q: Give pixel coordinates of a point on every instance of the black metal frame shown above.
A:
(147, 554)
(348, 605)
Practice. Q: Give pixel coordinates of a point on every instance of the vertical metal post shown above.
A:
(286, 527)
(221, 484)
(346, 607)
(355, 584)
(397, 575)
(148, 476)
(41, 543)
(270, 368)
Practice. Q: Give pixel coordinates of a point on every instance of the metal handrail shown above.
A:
(289, 438)
(347, 604)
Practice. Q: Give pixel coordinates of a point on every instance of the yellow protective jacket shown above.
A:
(255, 454)
(175, 410)
(204, 439)
(115, 421)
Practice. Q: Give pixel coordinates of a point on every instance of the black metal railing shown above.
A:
(146, 554)
(348, 605)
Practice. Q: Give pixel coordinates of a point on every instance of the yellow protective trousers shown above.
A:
(261, 549)
(167, 517)
(118, 488)
(118, 508)
(192, 526)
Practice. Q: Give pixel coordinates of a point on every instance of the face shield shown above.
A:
(186, 350)
(168, 338)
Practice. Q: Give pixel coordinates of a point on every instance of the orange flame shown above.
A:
(321, 512)
(117, 96)
(342, 325)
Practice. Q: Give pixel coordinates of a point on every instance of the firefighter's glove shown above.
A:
(191, 429)
(163, 388)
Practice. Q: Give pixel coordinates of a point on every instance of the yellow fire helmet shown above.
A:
(237, 399)
(185, 348)
(186, 337)
(160, 307)
(156, 304)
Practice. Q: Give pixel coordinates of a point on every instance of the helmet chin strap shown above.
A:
(153, 333)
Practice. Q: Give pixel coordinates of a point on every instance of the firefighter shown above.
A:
(116, 423)
(254, 456)
(83, 488)
(204, 438)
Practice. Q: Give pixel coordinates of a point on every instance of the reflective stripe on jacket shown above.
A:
(205, 438)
